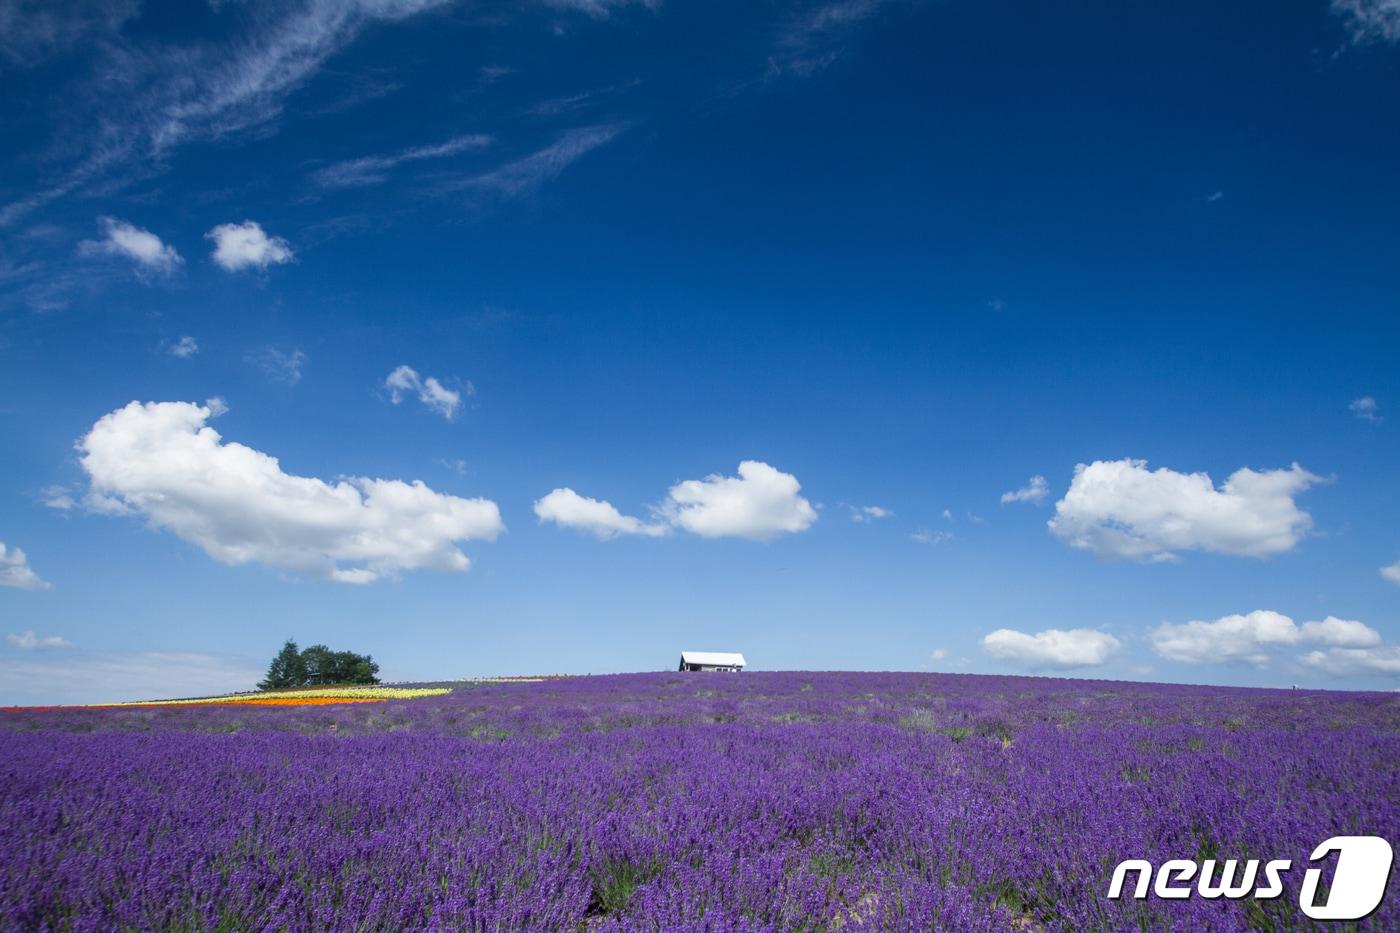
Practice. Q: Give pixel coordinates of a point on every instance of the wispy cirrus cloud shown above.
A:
(815, 38)
(31, 33)
(568, 103)
(374, 170)
(524, 175)
(600, 9)
(142, 100)
(279, 365)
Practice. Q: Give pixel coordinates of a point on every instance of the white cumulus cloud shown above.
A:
(1341, 633)
(247, 246)
(28, 641)
(16, 572)
(131, 242)
(568, 509)
(184, 348)
(864, 514)
(430, 391)
(1052, 648)
(163, 461)
(1034, 491)
(1252, 637)
(1121, 509)
(1229, 638)
(760, 503)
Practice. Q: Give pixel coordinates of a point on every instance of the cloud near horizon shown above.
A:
(80, 678)
(161, 461)
(1119, 509)
(759, 504)
(1052, 648)
(1349, 662)
(1251, 638)
(29, 641)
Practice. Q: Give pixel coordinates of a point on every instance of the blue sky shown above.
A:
(561, 336)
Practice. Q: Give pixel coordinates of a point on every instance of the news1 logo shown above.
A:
(1358, 884)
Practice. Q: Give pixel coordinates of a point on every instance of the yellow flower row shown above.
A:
(339, 693)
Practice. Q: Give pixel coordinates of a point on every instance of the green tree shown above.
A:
(352, 668)
(319, 662)
(324, 666)
(288, 669)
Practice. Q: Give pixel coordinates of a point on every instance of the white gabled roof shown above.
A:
(713, 658)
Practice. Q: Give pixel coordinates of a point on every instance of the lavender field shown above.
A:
(760, 801)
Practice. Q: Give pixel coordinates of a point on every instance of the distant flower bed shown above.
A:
(309, 697)
(316, 696)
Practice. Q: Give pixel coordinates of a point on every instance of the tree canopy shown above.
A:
(318, 665)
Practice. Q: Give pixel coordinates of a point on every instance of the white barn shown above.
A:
(711, 661)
